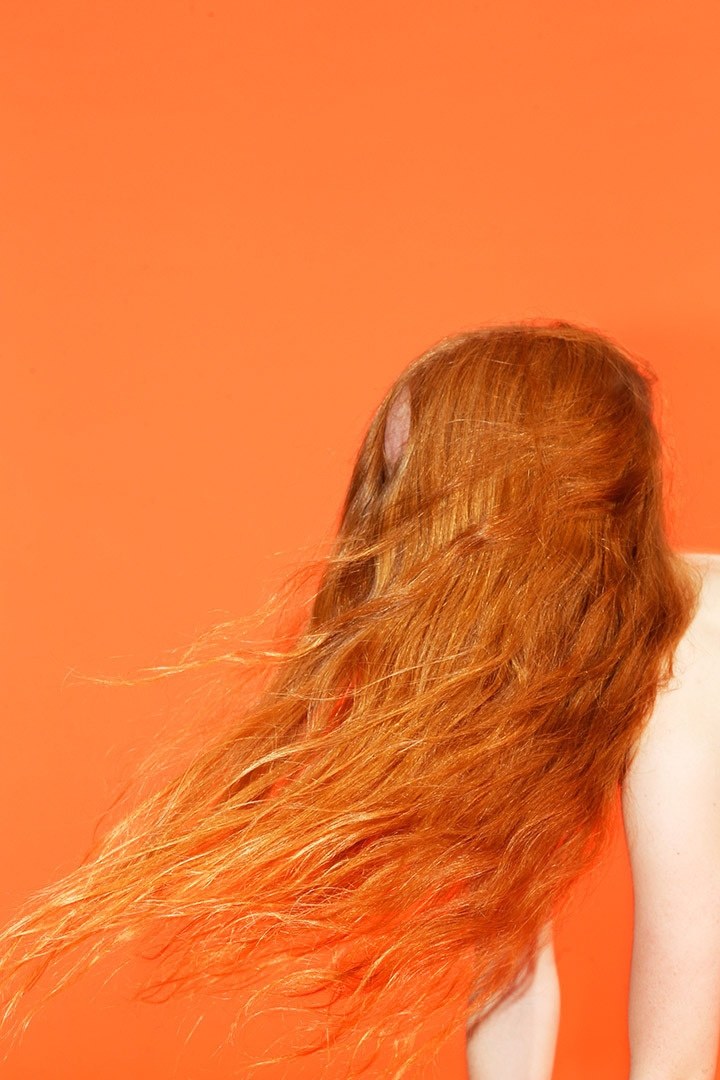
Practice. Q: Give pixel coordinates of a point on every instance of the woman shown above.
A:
(396, 813)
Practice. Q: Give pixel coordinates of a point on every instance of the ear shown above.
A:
(397, 427)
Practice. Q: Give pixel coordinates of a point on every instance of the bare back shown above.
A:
(671, 813)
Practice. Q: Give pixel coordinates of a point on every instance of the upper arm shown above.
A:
(671, 812)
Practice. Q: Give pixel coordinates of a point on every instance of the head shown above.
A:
(526, 437)
(523, 457)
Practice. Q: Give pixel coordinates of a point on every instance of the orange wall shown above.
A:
(226, 228)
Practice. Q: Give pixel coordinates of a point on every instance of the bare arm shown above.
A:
(671, 810)
(517, 1041)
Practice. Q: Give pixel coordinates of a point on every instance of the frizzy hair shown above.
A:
(395, 794)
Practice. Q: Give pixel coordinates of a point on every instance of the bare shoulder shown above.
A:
(708, 564)
(697, 657)
(686, 716)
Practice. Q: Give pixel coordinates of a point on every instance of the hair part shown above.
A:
(397, 428)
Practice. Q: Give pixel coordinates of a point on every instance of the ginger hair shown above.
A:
(396, 793)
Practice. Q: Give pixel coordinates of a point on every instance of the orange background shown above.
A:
(227, 227)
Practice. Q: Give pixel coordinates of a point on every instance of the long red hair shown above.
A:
(397, 792)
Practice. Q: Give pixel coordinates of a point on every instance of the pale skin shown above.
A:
(671, 816)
